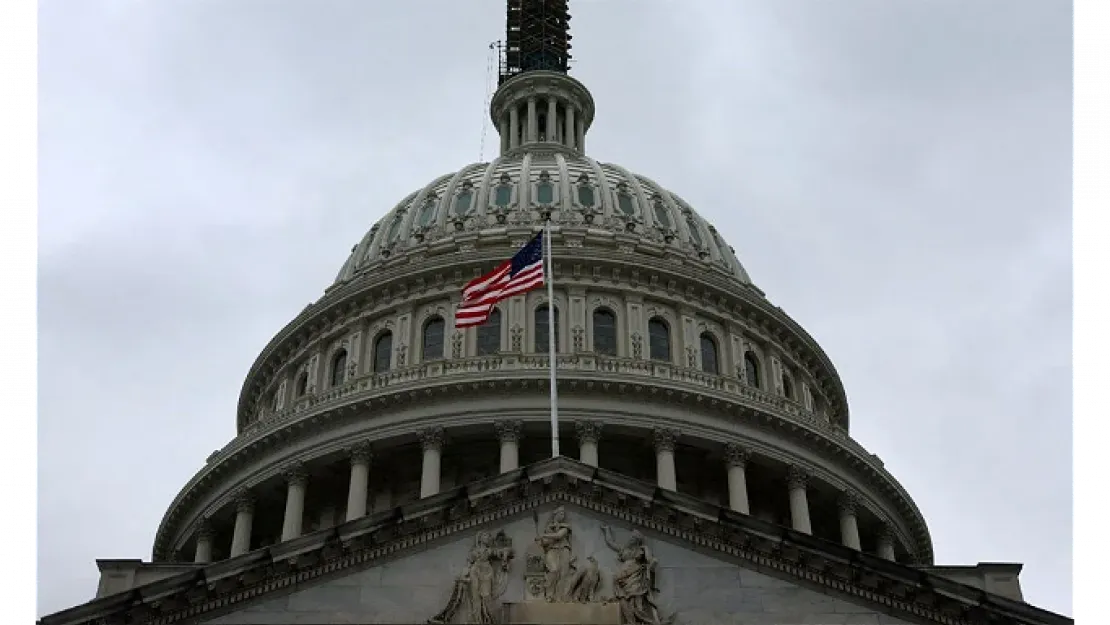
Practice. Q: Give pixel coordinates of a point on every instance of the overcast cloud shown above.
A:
(894, 173)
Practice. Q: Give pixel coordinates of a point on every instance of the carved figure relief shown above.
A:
(634, 582)
(586, 583)
(559, 565)
(484, 581)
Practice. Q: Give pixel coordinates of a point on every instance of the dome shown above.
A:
(670, 365)
(521, 188)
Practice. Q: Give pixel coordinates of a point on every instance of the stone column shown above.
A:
(581, 136)
(570, 130)
(296, 479)
(204, 542)
(552, 118)
(849, 527)
(589, 433)
(796, 479)
(508, 433)
(736, 459)
(665, 441)
(244, 519)
(360, 480)
(431, 439)
(503, 130)
(514, 127)
(886, 542)
(533, 120)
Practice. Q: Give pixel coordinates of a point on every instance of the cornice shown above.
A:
(480, 375)
(222, 587)
(720, 295)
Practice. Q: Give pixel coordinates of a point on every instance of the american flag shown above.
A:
(520, 274)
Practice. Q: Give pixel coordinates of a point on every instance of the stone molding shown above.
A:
(295, 474)
(588, 431)
(761, 546)
(244, 501)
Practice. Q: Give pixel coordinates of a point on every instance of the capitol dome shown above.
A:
(370, 427)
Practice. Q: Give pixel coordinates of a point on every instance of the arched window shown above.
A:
(541, 343)
(659, 339)
(489, 334)
(462, 200)
(383, 349)
(695, 233)
(503, 194)
(787, 386)
(709, 360)
(275, 399)
(605, 332)
(585, 195)
(395, 227)
(661, 215)
(302, 384)
(432, 339)
(624, 202)
(428, 211)
(545, 191)
(751, 369)
(338, 367)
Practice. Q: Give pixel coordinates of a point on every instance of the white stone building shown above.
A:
(391, 469)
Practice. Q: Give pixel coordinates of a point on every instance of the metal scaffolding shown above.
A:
(537, 37)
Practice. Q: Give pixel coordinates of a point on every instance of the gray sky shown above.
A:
(894, 173)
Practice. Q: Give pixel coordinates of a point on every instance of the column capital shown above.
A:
(664, 439)
(847, 503)
(360, 452)
(886, 532)
(204, 528)
(508, 430)
(736, 455)
(797, 477)
(431, 438)
(295, 474)
(244, 501)
(587, 431)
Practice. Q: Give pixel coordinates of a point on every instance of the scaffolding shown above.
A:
(537, 37)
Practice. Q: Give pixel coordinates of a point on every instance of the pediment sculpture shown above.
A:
(475, 593)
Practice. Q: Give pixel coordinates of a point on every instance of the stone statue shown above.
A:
(483, 582)
(634, 586)
(586, 583)
(554, 540)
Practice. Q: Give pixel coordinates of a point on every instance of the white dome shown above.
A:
(521, 187)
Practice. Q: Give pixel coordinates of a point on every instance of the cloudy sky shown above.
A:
(894, 173)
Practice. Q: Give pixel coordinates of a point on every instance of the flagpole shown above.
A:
(550, 270)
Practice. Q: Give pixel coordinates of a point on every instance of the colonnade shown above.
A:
(564, 129)
(433, 439)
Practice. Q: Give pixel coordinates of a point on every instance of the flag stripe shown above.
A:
(481, 294)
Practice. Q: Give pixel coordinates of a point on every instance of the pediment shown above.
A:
(403, 566)
(693, 586)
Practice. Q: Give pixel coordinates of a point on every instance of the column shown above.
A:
(514, 127)
(361, 456)
(886, 542)
(431, 439)
(244, 519)
(589, 433)
(503, 130)
(581, 136)
(508, 433)
(570, 130)
(533, 120)
(552, 112)
(204, 542)
(736, 459)
(849, 527)
(665, 441)
(296, 478)
(796, 479)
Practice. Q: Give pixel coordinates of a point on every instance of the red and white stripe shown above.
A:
(481, 294)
